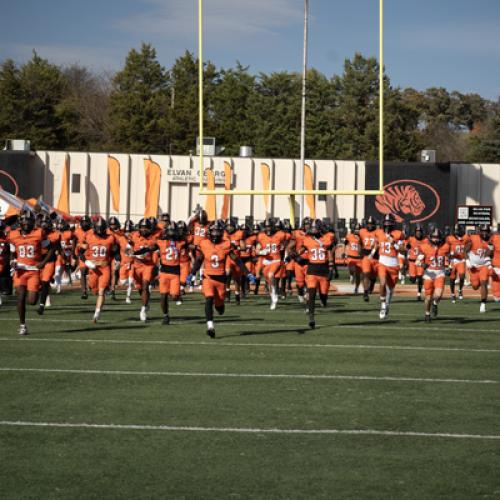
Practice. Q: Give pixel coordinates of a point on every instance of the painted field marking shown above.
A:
(249, 375)
(216, 343)
(174, 428)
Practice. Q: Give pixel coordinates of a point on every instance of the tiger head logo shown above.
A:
(403, 199)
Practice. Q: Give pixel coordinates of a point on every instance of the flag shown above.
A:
(308, 185)
(153, 177)
(63, 203)
(266, 180)
(114, 181)
(224, 214)
(210, 205)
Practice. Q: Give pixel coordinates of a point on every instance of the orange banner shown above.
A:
(63, 203)
(224, 213)
(308, 184)
(153, 178)
(266, 182)
(210, 204)
(114, 182)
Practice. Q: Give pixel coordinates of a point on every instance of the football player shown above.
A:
(170, 247)
(4, 253)
(495, 277)
(416, 271)
(66, 253)
(352, 253)
(213, 252)
(48, 271)
(433, 257)
(271, 246)
(457, 241)
(479, 257)
(369, 263)
(115, 229)
(236, 238)
(319, 249)
(97, 252)
(26, 244)
(144, 264)
(389, 241)
(295, 245)
(85, 225)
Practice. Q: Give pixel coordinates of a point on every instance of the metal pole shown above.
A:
(200, 86)
(381, 97)
(303, 111)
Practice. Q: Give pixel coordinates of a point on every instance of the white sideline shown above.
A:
(370, 432)
(250, 375)
(216, 343)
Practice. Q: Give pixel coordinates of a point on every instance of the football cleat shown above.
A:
(419, 297)
(23, 330)
(482, 307)
(237, 299)
(41, 309)
(356, 290)
(366, 297)
(143, 316)
(453, 299)
(434, 310)
(48, 303)
(427, 318)
(301, 298)
(128, 300)
(178, 302)
(460, 296)
(85, 296)
(383, 311)
(312, 323)
(211, 333)
(166, 320)
(95, 319)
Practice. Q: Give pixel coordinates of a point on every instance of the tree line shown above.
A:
(146, 108)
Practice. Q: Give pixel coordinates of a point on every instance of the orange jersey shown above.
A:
(414, 245)
(67, 242)
(435, 258)
(298, 235)
(274, 244)
(389, 243)
(318, 248)
(215, 255)
(235, 239)
(139, 242)
(249, 246)
(99, 248)
(368, 239)
(353, 245)
(200, 232)
(185, 257)
(495, 241)
(171, 251)
(478, 253)
(123, 242)
(28, 247)
(80, 235)
(457, 245)
(54, 238)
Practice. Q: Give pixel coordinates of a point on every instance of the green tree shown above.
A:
(139, 104)
(184, 103)
(10, 99)
(231, 106)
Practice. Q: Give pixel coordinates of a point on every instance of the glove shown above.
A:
(90, 264)
(189, 278)
(251, 278)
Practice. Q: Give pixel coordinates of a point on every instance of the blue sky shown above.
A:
(449, 43)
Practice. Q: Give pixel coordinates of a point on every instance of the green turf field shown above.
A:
(358, 408)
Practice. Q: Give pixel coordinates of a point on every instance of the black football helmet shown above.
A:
(256, 229)
(100, 226)
(216, 231)
(27, 221)
(182, 228)
(85, 223)
(114, 224)
(269, 227)
(388, 222)
(230, 226)
(459, 230)
(3, 226)
(419, 232)
(356, 228)
(316, 228)
(165, 218)
(145, 227)
(46, 223)
(436, 237)
(202, 217)
(171, 231)
(485, 232)
(128, 227)
(371, 223)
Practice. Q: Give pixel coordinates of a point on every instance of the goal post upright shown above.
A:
(292, 193)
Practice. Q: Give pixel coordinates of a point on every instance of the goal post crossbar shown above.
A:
(293, 193)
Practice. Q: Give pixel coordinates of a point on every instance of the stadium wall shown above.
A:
(41, 173)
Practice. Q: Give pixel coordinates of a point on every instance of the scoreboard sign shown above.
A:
(474, 215)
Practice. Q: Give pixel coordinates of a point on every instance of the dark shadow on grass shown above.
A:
(375, 322)
(246, 333)
(104, 328)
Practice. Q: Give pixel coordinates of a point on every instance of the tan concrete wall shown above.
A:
(475, 184)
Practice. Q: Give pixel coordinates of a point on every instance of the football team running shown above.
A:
(41, 253)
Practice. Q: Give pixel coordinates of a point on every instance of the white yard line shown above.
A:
(362, 432)
(217, 343)
(249, 375)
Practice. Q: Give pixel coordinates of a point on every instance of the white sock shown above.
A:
(143, 309)
(210, 325)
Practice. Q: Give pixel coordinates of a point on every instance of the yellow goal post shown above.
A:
(294, 192)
